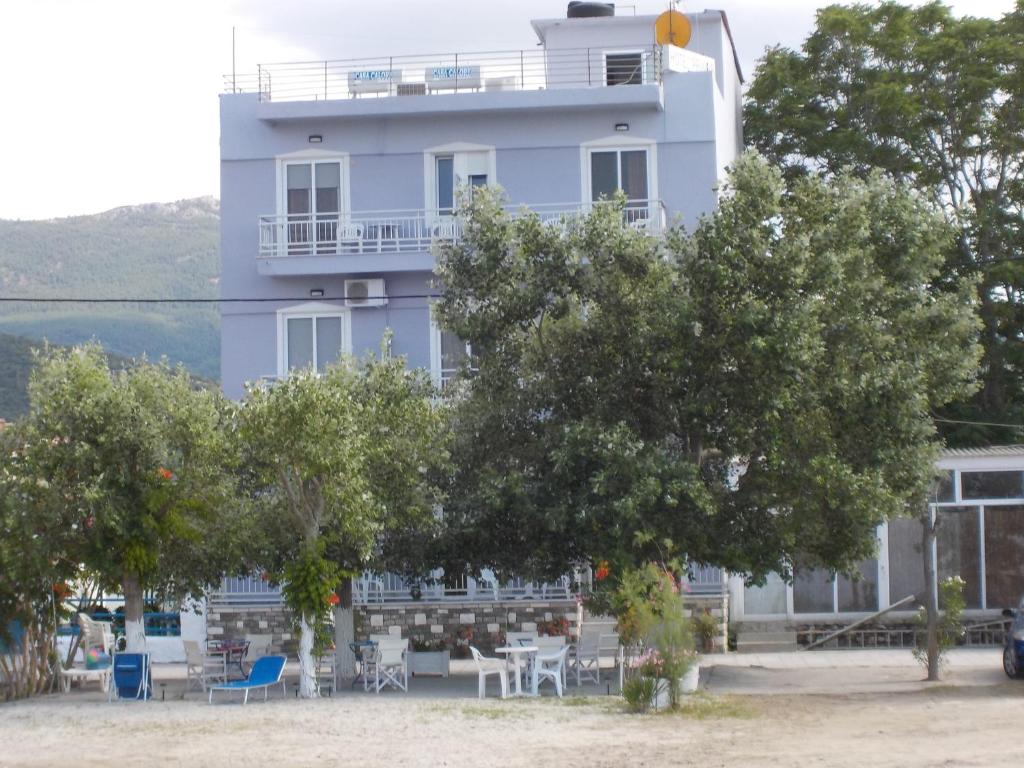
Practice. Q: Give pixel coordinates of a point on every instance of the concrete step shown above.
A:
(766, 642)
(765, 647)
(766, 637)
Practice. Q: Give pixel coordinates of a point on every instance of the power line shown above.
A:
(90, 300)
(980, 423)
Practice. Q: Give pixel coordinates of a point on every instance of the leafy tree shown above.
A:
(752, 394)
(34, 571)
(341, 468)
(138, 464)
(938, 103)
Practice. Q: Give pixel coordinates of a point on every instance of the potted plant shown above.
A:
(429, 657)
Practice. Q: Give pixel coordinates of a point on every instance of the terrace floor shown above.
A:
(849, 708)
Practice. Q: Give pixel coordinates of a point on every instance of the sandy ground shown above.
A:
(862, 709)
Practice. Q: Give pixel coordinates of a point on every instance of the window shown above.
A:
(449, 171)
(311, 337)
(958, 549)
(621, 169)
(626, 68)
(992, 485)
(445, 168)
(448, 354)
(943, 489)
(312, 202)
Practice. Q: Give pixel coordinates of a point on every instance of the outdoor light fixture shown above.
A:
(317, 293)
(316, 138)
(621, 127)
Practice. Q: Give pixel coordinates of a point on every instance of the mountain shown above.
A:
(157, 250)
(16, 365)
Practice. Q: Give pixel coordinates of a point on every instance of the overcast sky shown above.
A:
(114, 102)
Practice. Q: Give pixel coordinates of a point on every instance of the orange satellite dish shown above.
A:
(672, 28)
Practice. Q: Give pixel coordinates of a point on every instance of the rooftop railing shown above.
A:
(370, 232)
(398, 76)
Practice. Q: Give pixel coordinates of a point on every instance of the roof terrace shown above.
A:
(452, 73)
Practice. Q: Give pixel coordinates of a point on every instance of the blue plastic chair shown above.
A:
(133, 677)
(264, 673)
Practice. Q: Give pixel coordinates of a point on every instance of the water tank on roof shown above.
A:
(578, 9)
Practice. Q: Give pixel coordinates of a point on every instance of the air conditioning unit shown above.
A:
(365, 293)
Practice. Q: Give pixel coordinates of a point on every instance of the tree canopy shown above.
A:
(745, 395)
(937, 102)
(132, 471)
(341, 467)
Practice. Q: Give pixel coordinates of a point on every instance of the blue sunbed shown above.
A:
(264, 673)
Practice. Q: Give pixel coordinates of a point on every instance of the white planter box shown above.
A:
(429, 662)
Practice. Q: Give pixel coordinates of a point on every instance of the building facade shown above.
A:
(339, 178)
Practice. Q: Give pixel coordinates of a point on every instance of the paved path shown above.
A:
(845, 672)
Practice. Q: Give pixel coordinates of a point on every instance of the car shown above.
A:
(1013, 649)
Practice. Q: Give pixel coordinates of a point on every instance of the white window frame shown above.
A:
(312, 310)
(307, 156)
(618, 144)
(436, 372)
(455, 149)
(644, 62)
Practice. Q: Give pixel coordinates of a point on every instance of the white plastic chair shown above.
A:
(550, 645)
(490, 666)
(391, 665)
(549, 666)
(587, 659)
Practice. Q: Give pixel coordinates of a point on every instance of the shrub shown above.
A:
(638, 691)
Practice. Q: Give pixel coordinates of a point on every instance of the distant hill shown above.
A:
(157, 250)
(16, 365)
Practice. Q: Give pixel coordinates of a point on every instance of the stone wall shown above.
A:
(455, 624)
(235, 622)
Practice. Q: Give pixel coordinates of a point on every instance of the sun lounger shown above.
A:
(265, 672)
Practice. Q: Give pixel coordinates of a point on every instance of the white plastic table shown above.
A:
(517, 652)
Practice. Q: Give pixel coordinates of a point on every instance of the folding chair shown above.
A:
(132, 677)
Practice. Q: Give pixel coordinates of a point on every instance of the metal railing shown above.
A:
(421, 75)
(369, 232)
(706, 580)
(371, 588)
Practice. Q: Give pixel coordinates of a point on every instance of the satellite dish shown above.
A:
(672, 28)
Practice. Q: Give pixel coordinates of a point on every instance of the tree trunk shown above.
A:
(931, 593)
(345, 631)
(307, 666)
(134, 624)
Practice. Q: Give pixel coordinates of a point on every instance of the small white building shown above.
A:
(979, 504)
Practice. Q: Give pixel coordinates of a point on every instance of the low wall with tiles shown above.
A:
(236, 621)
(448, 622)
(432, 622)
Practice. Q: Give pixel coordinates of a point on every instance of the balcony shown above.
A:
(563, 79)
(394, 241)
(447, 73)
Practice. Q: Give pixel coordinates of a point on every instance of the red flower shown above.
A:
(333, 599)
(61, 590)
(165, 473)
(602, 571)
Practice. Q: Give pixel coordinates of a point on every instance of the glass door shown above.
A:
(313, 206)
(625, 170)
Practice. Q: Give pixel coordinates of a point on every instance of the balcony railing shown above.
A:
(373, 588)
(402, 76)
(370, 232)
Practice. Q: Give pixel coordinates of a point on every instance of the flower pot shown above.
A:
(688, 683)
(429, 663)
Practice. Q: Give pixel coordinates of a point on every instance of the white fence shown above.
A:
(370, 232)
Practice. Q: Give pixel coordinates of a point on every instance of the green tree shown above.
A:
(34, 569)
(138, 464)
(341, 462)
(937, 102)
(751, 394)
